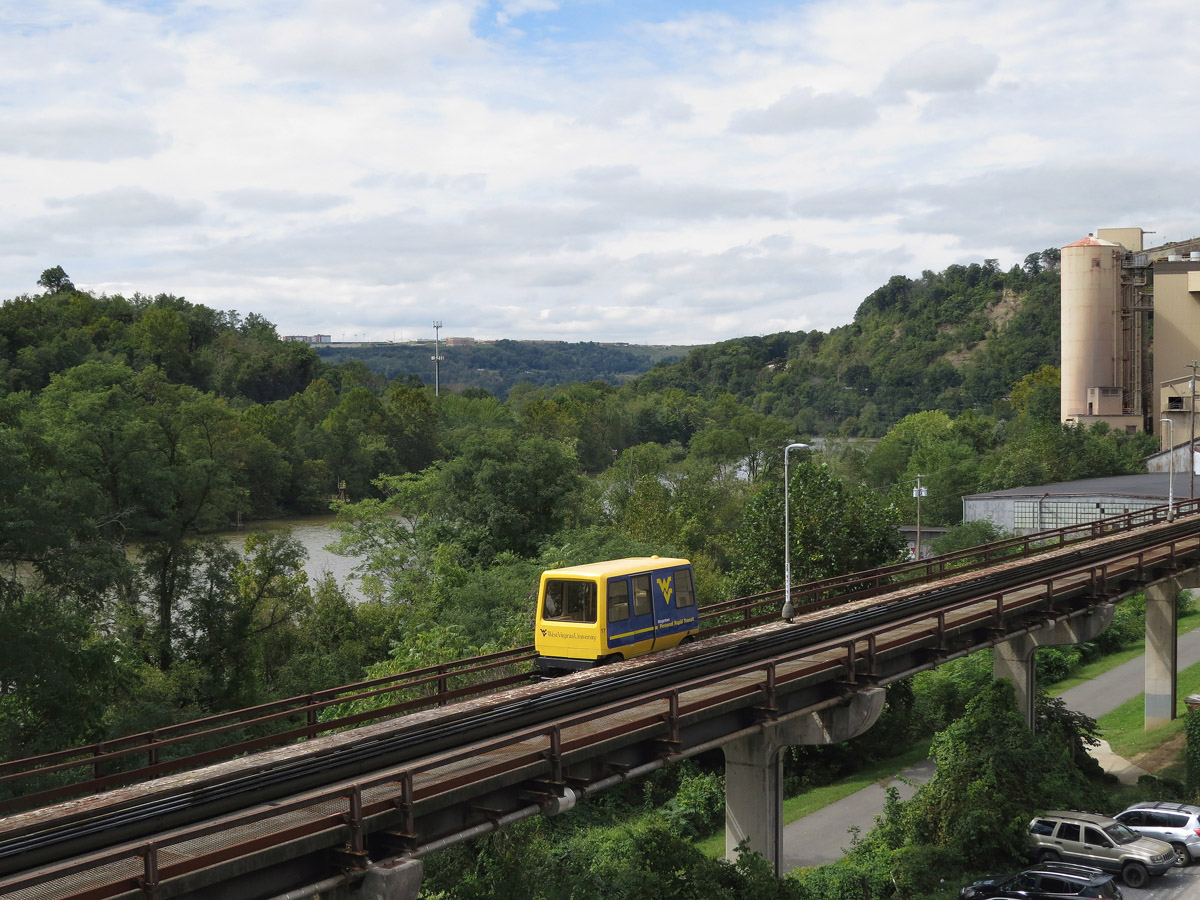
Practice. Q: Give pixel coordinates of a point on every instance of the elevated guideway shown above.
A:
(343, 808)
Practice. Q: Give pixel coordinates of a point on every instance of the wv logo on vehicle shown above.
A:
(664, 585)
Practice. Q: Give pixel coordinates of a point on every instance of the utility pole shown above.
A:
(919, 492)
(437, 358)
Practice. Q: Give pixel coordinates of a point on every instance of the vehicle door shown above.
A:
(1097, 846)
(674, 602)
(1069, 837)
(631, 593)
(1020, 886)
(1164, 826)
(1052, 886)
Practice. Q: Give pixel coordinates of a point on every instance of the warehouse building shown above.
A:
(1042, 507)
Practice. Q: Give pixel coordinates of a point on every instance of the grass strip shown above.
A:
(1112, 660)
(1123, 728)
(810, 801)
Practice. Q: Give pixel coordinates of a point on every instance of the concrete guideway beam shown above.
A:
(1162, 646)
(1015, 658)
(754, 769)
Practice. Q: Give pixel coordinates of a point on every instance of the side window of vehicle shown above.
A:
(642, 604)
(618, 599)
(1068, 831)
(1172, 820)
(1134, 818)
(1042, 826)
(1094, 837)
(1026, 881)
(685, 595)
(1050, 885)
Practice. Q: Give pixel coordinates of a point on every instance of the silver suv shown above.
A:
(1098, 841)
(1175, 823)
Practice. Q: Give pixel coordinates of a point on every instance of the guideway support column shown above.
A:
(754, 769)
(1015, 658)
(1162, 647)
(388, 881)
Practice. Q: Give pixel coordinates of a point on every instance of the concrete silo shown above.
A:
(1102, 334)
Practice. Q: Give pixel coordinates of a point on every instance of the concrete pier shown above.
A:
(754, 769)
(1015, 658)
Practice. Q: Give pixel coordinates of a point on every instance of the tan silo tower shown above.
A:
(1099, 347)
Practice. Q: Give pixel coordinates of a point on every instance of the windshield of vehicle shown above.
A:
(570, 601)
(1121, 834)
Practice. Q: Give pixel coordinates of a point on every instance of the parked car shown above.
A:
(1176, 823)
(1047, 881)
(1099, 841)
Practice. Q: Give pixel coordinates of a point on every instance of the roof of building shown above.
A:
(1091, 241)
(1150, 486)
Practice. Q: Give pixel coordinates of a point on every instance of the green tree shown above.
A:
(55, 280)
(58, 673)
(992, 774)
(834, 530)
(502, 493)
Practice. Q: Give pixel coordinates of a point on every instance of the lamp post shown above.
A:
(1171, 484)
(1192, 441)
(788, 609)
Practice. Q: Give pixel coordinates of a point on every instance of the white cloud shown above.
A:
(950, 66)
(803, 110)
(528, 168)
(514, 9)
(81, 135)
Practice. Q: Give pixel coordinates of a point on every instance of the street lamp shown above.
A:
(788, 609)
(1193, 365)
(1171, 484)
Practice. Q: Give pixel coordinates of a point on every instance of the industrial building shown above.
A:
(1041, 507)
(1131, 333)
(1130, 342)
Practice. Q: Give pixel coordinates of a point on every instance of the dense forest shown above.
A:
(496, 366)
(134, 428)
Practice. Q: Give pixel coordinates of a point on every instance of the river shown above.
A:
(314, 533)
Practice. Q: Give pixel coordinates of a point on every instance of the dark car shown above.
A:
(1176, 823)
(1049, 880)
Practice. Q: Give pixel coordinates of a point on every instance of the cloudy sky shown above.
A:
(654, 172)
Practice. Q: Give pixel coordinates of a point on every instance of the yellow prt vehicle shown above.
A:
(602, 612)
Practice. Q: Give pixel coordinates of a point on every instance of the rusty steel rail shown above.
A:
(343, 810)
(97, 757)
(758, 609)
(277, 717)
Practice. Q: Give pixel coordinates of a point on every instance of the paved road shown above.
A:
(822, 837)
(1177, 884)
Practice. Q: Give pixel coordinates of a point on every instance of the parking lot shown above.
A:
(1177, 884)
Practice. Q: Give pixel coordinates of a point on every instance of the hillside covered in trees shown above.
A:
(951, 341)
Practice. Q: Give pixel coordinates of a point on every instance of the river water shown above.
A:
(314, 533)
